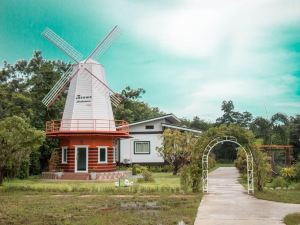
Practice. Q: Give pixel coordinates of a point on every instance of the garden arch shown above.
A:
(207, 151)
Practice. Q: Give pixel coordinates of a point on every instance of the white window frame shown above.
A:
(141, 153)
(64, 148)
(102, 147)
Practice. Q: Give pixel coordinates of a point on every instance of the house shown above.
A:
(146, 136)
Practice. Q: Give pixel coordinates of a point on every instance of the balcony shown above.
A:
(87, 126)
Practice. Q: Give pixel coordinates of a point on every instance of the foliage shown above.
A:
(273, 131)
(196, 123)
(279, 182)
(17, 141)
(132, 109)
(245, 138)
(147, 175)
(294, 135)
(241, 161)
(234, 117)
(137, 169)
(288, 173)
(262, 168)
(53, 164)
(297, 171)
(176, 148)
(185, 179)
(160, 169)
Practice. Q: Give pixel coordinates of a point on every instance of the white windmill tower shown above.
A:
(89, 97)
(87, 120)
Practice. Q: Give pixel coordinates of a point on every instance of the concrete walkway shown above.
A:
(228, 203)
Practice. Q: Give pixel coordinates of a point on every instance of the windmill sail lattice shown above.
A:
(79, 66)
(62, 44)
(59, 87)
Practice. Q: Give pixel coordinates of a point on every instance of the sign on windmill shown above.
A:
(89, 99)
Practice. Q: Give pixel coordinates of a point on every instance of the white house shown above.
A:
(146, 136)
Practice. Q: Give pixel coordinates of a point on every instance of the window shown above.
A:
(64, 155)
(149, 127)
(142, 147)
(102, 154)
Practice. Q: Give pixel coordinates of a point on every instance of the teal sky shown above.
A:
(189, 56)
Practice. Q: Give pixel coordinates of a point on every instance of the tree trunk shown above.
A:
(175, 169)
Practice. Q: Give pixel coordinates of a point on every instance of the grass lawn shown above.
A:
(164, 182)
(288, 196)
(26, 207)
(36, 201)
(292, 219)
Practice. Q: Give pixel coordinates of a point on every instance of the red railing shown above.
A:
(91, 125)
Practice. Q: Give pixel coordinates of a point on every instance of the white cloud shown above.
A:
(234, 38)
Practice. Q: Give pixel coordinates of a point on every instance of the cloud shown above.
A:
(240, 42)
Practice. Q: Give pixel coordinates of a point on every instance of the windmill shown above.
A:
(87, 131)
(89, 97)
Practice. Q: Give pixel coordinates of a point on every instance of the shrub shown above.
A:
(147, 175)
(137, 169)
(159, 169)
(241, 161)
(288, 173)
(185, 179)
(211, 162)
(279, 182)
(297, 171)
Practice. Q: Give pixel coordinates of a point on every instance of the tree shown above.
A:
(280, 129)
(22, 88)
(177, 147)
(132, 109)
(233, 117)
(295, 135)
(262, 128)
(17, 141)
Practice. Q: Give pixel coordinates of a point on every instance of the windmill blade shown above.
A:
(104, 44)
(115, 98)
(59, 87)
(62, 44)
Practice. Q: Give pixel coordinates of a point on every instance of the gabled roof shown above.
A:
(170, 117)
(181, 128)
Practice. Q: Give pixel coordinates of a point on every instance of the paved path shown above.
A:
(228, 203)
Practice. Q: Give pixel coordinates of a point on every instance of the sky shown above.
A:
(189, 55)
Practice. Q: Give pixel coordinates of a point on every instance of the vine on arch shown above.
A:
(245, 138)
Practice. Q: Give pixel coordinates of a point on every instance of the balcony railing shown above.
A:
(87, 125)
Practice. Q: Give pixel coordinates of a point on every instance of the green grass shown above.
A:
(164, 182)
(292, 219)
(288, 196)
(26, 207)
(36, 201)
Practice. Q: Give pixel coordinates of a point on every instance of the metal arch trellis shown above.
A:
(206, 152)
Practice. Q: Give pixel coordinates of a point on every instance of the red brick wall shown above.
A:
(93, 143)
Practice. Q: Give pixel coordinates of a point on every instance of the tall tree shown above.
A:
(234, 117)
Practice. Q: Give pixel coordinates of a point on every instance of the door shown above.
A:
(81, 159)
